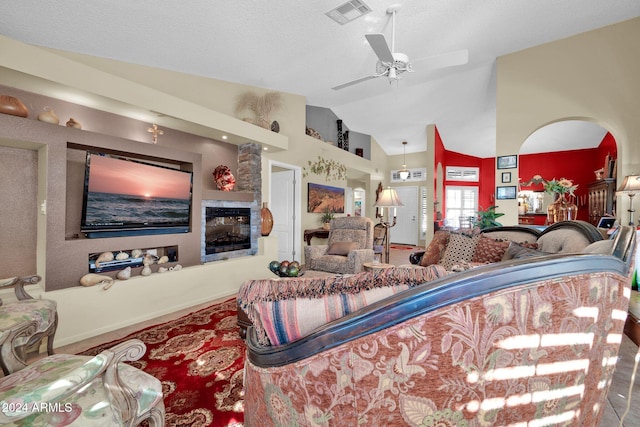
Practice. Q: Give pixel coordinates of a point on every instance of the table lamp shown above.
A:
(630, 186)
(388, 199)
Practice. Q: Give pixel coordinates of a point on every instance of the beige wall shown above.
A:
(592, 76)
(200, 106)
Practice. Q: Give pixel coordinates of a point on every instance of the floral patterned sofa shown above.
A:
(505, 343)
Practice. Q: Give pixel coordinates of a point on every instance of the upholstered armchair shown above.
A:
(66, 389)
(349, 246)
(42, 311)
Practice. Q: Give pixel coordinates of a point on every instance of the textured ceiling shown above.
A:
(292, 46)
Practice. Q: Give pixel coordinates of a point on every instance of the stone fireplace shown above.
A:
(231, 224)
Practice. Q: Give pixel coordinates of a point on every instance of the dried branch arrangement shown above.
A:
(261, 106)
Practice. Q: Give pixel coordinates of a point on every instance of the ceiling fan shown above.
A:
(392, 64)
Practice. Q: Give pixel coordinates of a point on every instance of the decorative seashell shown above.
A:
(148, 259)
(107, 286)
(104, 257)
(73, 123)
(94, 279)
(124, 274)
(146, 271)
(162, 269)
(176, 267)
(122, 255)
(136, 253)
(163, 260)
(48, 116)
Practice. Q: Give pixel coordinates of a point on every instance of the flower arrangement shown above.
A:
(560, 186)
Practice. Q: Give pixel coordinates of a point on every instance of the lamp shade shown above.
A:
(388, 199)
(630, 184)
(404, 174)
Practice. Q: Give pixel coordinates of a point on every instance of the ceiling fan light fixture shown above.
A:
(404, 173)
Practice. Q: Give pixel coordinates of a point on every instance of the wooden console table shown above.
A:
(315, 232)
(632, 325)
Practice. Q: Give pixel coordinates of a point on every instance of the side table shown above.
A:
(632, 325)
(376, 266)
(315, 232)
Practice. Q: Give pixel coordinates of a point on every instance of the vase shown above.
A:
(13, 106)
(562, 209)
(326, 226)
(266, 220)
(49, 116)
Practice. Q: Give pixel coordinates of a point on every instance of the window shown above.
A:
(462, 173)
(416, 174)
(460, 202)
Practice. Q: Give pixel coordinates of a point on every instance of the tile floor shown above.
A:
(617, 399)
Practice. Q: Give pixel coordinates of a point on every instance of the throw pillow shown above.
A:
(435, 250)
(459, 249)
(342, 248)
(489, 250)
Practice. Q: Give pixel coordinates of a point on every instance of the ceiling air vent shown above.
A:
(348, 11)
(417, 174)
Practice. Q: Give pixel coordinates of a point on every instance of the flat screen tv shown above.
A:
(128, 197)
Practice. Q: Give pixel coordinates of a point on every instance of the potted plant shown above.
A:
(487, 218)
(326, 218)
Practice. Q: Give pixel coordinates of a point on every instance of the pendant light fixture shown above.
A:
(404, 173)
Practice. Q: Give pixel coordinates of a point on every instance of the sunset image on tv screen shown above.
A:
(122, 192)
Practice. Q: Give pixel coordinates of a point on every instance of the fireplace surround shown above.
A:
(229, 230)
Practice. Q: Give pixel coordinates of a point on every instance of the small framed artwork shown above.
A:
(506, 192)
(507, 162)
(506, 177)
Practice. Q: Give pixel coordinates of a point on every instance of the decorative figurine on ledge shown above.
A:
(224, 178)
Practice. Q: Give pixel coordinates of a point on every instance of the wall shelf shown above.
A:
(232, 196)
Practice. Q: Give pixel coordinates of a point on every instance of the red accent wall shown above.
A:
(486, 195)
(576, 165)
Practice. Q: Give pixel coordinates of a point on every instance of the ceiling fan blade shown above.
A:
(450, 59)
(356, 81)
(380, 47)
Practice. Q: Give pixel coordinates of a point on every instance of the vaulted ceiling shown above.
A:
(293, 46)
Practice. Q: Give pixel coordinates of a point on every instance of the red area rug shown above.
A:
(403, 247)
(200, 360)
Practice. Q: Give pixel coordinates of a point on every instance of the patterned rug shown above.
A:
(200, 360)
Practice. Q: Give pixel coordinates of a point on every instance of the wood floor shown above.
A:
(619, 394)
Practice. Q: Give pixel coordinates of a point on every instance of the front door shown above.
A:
(407, 229)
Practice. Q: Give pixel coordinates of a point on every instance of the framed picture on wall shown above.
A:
(507, 162)
(506, 192)
(506, 177)
(323, 198)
